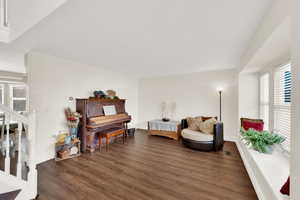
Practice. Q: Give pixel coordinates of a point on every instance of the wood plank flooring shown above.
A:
(147, 168)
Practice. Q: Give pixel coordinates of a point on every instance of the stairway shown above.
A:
(8, 192)
(18, 174)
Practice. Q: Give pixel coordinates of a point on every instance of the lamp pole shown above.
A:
(220, 93)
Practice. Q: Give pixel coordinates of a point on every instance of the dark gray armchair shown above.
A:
(203, 142)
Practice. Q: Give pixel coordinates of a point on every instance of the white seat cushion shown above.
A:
(196, 135)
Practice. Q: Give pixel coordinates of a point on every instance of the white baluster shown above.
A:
(32, 175)
(3, 135)
(7, 154)
(19, 164)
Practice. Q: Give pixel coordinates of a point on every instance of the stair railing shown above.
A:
(25, 124)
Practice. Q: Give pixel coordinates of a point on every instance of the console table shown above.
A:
(170, 129)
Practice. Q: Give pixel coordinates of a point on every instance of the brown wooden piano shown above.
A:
(94, 121)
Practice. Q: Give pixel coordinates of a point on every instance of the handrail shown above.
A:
(14, 114)
(5, 13)
(28, 123)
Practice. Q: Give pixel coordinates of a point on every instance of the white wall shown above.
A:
(194, 94)
(249, 95)
(52, 80)
(273, 18)
(295, 146)
(23, 15)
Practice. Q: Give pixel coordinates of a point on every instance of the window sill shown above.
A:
(268, 172)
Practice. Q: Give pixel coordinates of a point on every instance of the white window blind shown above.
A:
(264, 100)
(282, 103)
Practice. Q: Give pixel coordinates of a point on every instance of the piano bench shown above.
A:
(110, 133)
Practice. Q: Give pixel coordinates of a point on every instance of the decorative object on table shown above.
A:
(72, 121)
(99, 94)
(211, 138)
(164, 112)
(261, 141)
(112, 94)
(170, 129)
(285, 189)
(172, 109)
(165, 119)
(66, 150)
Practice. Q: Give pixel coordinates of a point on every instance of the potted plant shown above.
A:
(261, 141)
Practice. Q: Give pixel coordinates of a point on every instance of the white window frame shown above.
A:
(272, 70)
(265, 102)
(11, 98)
(281, 108)
(3, 88)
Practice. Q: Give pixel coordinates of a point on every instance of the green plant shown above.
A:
(261, 140)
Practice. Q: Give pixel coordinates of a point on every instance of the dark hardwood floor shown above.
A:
(147, 167)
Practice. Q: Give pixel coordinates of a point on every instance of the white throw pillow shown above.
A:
(194, 123)
(208, 126)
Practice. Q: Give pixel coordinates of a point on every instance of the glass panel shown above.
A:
(19, 105)
(1, 90)
(19, 92)
(287, 86)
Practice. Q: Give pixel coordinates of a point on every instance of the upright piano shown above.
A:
(94, 121)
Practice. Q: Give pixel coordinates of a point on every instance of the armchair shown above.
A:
(200, 141)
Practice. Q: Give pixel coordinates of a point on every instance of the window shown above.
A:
(18, 98)
(1, 94)
(264, 99)
(282, 103)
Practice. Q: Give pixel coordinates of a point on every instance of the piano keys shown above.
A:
(94, 121)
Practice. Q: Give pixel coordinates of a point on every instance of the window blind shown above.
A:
(264, 100)
(282, 103)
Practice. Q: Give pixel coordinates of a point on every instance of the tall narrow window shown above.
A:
(282, 103)
(264, 99)
(18, 98)
(1, 94)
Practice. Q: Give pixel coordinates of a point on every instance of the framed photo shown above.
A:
(109, 110)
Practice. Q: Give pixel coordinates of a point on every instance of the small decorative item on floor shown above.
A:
(261, 141)
(72, 121)
(131, 132)
(66, 147)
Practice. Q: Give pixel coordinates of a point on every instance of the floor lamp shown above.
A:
(220, 93)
